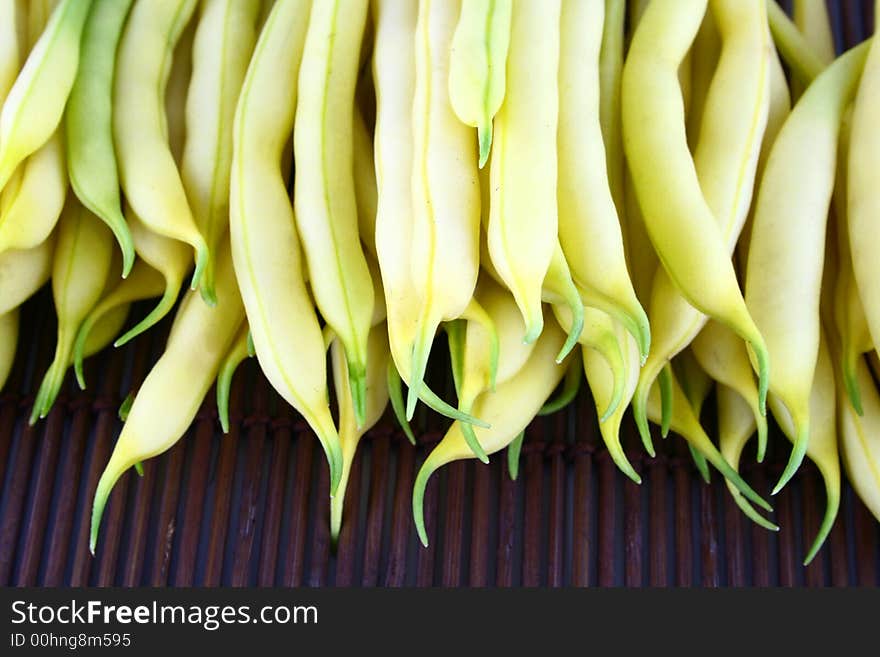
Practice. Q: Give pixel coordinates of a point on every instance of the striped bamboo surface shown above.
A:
(250, 508)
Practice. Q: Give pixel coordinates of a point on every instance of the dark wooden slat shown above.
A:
(451, 556)
(320, 548)
(505, 552)
(658, 549)
(734, 542)
(709, 537)
(186, 550)
(632, 533)
(37, 508)
(607, 505)
(14, 500)
(379, 456)
(133, 565)
(866, 546)
(481, 516)
(250, 490)
(401, 518)
(788, 548)
(294, 564)
(761, 538)
(274, 501)
(556, 519)
(813, 511)
(346, 550)
(583, 503)
(683, 476)
(160, 559)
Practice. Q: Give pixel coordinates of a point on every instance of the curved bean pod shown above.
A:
(589, 227)
(8, 343)
(523, 223)
(445, 192)
(265, 244)
(35, 104)
(223, 41)
(23, 272)
(140, 123)
(787, 249)
(91, 160)
(170, 396)
(477, 67)
(239, 350)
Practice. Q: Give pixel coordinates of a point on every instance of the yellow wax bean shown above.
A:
(8, 343)
(24, 272)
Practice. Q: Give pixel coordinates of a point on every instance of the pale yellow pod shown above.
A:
(324, 194)
(477, 66)
(224, 39)
(445, 189)
(736, 425)
(787, 249)
(509, 410)
(823, 446)
(814, 23)
(8, 343)
(10, 62)
(610, 69)
(602, 381)
(349, 431)
(80, 268)
(148, 172)
(36, 198)
(24, 272)
(366, 195)
(266, 250)
(523, 218)
(860, 440)
(175, 387)
(863, 201)
(704, 60)
(734, 117)
(589, 227)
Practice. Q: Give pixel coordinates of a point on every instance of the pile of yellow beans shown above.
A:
(665, 198)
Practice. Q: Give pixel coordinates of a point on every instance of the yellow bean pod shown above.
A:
(324, 196)
(589, 227)
(377, 399)
(141, 125)
(265, 245)
(523, 223)
(863, 203)
(445, 192)
(80, 268)
(8, 343)
(10, 62)
(734, 117)
(509, 410)
(222, 46)
(787, 249)
(477, 67)
(610, 69)
(143, 282)
(35, 103)
(24, 272)
(173, 391)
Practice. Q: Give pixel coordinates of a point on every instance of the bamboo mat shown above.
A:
(250, 508)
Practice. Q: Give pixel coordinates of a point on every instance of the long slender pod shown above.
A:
(712, 192)
(143, 282)
(349, 431)
(324, 196)
(822, 447)
(10, 60)
(478, 65)
(35, 104)
(239, 350)
(860, 440)
(140, 123)
(863, 203)
(173, 391)
(445, 191)
(509, 410)
(610, 69)
(23, 272)
(394, 74)
(91, 159)
(222, 46)
(8, 343)
(265, 245)
(80, 269)
(589, 227)
(523, 215)
(787, 249)
(736, 424)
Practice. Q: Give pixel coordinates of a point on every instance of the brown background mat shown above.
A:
(251, 508)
